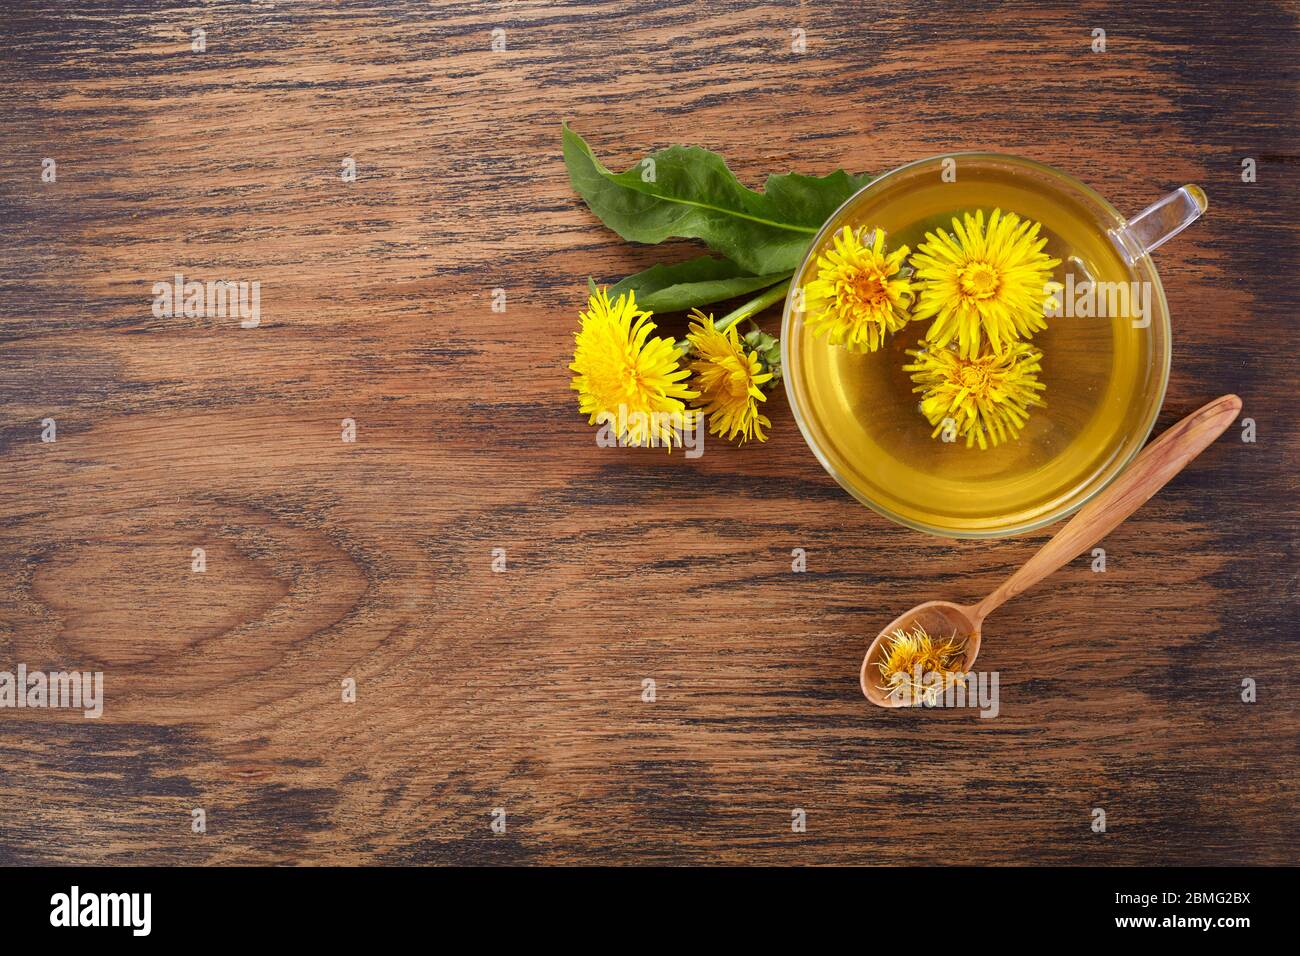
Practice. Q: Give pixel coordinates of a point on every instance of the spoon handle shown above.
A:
(1150, 471)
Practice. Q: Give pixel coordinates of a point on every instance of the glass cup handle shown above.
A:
(1161, 221)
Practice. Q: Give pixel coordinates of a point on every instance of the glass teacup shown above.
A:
(1105, 354)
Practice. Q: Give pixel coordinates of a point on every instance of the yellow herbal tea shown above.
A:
(1104, 375)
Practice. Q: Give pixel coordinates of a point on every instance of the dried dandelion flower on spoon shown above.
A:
(910, 656)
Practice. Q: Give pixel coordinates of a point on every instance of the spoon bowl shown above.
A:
(941, 619)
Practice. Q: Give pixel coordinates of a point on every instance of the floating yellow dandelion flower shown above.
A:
(985, 400)
(861, 293)
(627, 379)
(910, 656)
(728, 379)
(984, 283)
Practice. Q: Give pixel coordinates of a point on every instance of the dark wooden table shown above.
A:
(372, 560)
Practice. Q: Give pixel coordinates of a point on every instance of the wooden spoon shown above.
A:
(1150, 471)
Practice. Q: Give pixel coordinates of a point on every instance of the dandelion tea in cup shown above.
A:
(996, 372)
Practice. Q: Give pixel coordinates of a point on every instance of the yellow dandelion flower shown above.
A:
(627, 379)
(861, 293)
(905, 652)
(985, 400)
(728, 379)
(984, 283)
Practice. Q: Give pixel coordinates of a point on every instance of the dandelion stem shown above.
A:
(752, 307)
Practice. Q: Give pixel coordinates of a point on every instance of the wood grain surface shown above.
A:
(372, 560)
